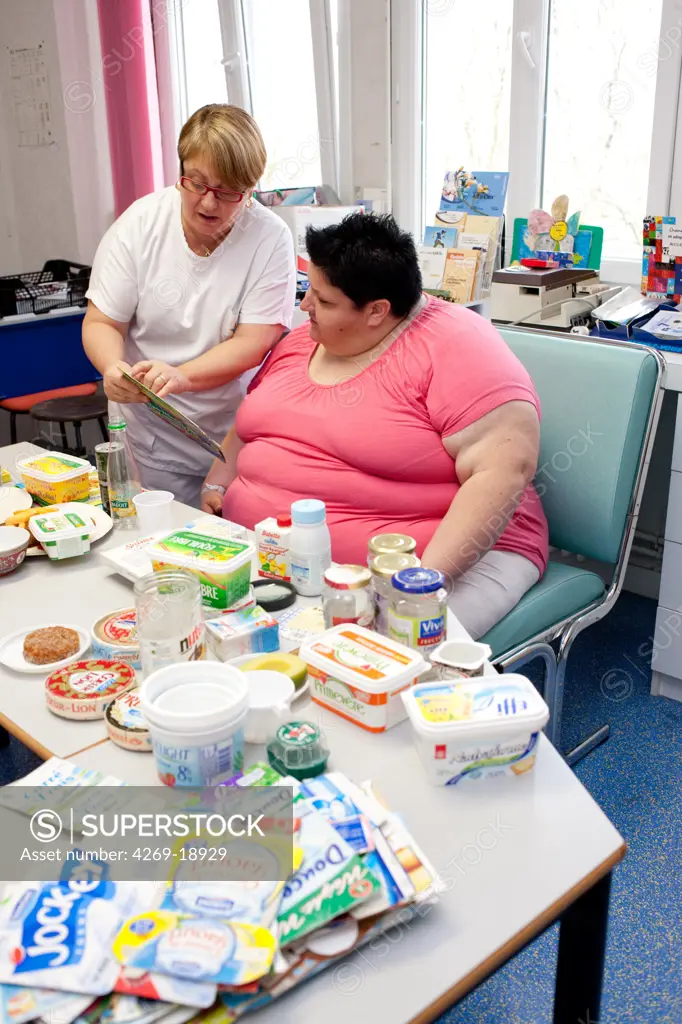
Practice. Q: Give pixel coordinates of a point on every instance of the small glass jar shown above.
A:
(347, 596)
(416, 616)
(383, 568)
(170, 622)
(390, 544)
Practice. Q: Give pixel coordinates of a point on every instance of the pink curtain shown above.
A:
(129, 79)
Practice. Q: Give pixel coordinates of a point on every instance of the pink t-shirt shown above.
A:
(370, 446)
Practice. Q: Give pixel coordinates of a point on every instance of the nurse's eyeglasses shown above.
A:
(198, 188)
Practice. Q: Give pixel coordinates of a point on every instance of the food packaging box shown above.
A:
(242, 631)
(56, 478)
(222, 564)
(62, 534)
(360, 675)
(472, 728)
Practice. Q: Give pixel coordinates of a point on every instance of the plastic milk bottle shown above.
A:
(310, 546)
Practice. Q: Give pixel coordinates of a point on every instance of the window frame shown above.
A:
(530, 41)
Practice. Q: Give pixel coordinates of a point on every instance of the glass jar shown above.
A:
(383, 567)
(347, 596)
(170, 623)
(390, 544)
(416, 616)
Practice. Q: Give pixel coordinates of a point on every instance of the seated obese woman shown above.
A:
(404, 414)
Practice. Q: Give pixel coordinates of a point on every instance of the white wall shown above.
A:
(57, 199)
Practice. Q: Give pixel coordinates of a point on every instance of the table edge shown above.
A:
(487, 967)
(25, 738)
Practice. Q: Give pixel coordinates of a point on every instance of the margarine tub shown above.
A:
(361, 675)
(114, 636)
(62, 534)
(473, 728)
(55, 477)
(223, 565)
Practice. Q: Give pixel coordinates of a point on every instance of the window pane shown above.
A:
(600, 108)
(467, 83)
(205, 75)
(282, 77)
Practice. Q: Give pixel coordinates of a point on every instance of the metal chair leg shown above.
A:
(103, 428)
(65, 440)
(13, 427)
(79, 438)
(549, 691)
(597, 738)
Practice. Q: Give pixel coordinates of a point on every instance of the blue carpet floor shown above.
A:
(636, 777)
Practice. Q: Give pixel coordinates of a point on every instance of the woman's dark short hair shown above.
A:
(368, 257)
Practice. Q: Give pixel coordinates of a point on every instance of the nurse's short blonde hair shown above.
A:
(230, 140)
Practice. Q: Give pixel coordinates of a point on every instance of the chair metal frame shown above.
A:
(569, 628)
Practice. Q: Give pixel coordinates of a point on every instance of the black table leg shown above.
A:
(580, 963)
(4, 737)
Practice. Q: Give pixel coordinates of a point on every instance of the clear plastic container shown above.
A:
(170, 623)
(383, 568)
(347, 596)
(298, 749)
(416, 616)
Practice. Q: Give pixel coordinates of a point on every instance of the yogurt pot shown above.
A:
(463, 658)
(85, 689)
(114, 636)
(125, 724)
(196, 713)
(360, 675)
(471, 728)
(270, 696)
(56, 478)
(62, 534)
(222, 564)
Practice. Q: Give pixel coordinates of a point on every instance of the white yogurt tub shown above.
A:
(125, 724)
(361, 675)
(114, 636)
(196, 713)
(476, 727)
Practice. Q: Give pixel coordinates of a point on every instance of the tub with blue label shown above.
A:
(472, 728)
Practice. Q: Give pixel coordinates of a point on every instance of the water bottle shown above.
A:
(123, 478)
(310, 546)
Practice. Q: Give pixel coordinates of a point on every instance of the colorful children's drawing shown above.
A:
(480, 192)
(661, 267)
(553, 232)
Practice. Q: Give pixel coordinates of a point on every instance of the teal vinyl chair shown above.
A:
(600, 406)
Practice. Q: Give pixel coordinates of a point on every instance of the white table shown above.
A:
(517, 854)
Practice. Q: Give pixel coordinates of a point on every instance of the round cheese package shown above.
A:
(85, 689)
(125, 724)
(114, 637)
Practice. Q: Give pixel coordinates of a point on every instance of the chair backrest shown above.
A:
(597, 400)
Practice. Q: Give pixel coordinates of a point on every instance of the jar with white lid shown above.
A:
(390, 544)
(347, 596)
(416, 616)
(383, 568)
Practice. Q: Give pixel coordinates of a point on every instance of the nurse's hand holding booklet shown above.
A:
(118, 389)
(160, 377)
(160, 407)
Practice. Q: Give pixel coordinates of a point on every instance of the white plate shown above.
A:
(13, 499)
(12, 650)
(101, 521)
(243, 658)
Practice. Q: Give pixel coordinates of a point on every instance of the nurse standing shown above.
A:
(190, 288)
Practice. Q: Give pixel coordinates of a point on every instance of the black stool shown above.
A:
(76, 411)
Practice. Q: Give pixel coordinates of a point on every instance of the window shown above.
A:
(466, 112)
(570, 96)
(600, 115)
(281, 75)
(203, 56)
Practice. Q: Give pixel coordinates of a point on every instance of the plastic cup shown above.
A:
(154, 510)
